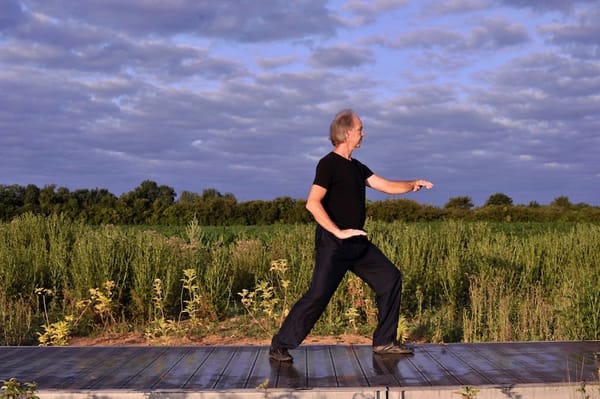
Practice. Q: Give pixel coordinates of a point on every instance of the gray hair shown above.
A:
(343, 121)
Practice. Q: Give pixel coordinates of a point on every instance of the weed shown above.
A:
(15, 389)
(57, 333)
(403, 331)
(263, 305)
(101, 303)
(160, 327)
(194, 232)
(43, 292)
(462, 281)
(264, 386)
(16, 319)
(468, 392)
(196, 307)
(583, 390)
(362, 308)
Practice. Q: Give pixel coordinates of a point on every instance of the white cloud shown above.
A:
(239, 98)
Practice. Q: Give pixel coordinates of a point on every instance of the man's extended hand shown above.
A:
(347, 233)
(419, 184)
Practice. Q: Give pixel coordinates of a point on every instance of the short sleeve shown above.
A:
(324, 173)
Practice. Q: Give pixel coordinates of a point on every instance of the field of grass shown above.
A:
(463, 281)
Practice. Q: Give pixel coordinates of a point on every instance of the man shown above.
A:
(338, 204)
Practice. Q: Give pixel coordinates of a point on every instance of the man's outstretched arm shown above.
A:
(397, 186)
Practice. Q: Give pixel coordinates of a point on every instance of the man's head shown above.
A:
(346, 126)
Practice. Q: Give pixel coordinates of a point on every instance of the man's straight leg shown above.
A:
(327, 275)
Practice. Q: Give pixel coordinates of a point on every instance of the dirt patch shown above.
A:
(138, 339)
(225, 333)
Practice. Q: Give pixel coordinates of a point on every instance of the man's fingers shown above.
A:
(424, 183)
(357, 232)
(352, 233)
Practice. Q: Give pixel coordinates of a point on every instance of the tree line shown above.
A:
(153, 204)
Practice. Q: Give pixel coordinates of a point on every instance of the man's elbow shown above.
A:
(308, 206)
(311, 206)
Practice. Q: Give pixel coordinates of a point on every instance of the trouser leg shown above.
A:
(327, 275)
(386, 281)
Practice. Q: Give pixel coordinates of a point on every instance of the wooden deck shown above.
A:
(498, 370)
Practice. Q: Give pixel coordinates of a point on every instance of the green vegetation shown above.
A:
(463, 281)
(15, 389)
(151, 204)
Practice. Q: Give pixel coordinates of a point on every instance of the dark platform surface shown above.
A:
(217, 368)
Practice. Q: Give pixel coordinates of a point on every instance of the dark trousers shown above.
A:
(333, 258)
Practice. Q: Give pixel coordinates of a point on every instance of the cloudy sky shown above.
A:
(478, 96)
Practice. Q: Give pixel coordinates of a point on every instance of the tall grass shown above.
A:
(462, 281)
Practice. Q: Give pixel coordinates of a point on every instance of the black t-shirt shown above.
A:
(345, 181)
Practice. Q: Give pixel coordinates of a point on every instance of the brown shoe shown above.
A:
(393, 348)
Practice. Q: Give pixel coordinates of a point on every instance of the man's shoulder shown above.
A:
(329, 155)
(327, 158)
(336, 160)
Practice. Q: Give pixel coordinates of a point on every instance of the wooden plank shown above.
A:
(507, 357)
(451, 361)
(320, 370)
(549, 362)
(436, 373)
(222, 368)
(586, 353)
(47, 361)
(239, 368)
(293, 375)
(377, 369)
(264, 372)
(208, 374)
(404, 369)
(564, 360)
(79, 373)
(156, 370)
(484, 366)
(61, 368)
(14, 355)
(182, 371)
(127, 363)
(348, 370)
(27, 362)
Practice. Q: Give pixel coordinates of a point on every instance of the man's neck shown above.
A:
(344, 151)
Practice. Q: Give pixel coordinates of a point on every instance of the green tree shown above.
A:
(188, 197)
(47, 199)
(562, 202)
(146, 203)
(31, 199)
(499, 199)
(210, 194)
(11, 201)
(464, 203)
(394, 209)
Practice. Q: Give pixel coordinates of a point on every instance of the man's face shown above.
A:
(355, 135)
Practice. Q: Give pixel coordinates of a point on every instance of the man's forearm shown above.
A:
(322, 218)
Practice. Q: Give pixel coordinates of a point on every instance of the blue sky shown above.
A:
(477, 96)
